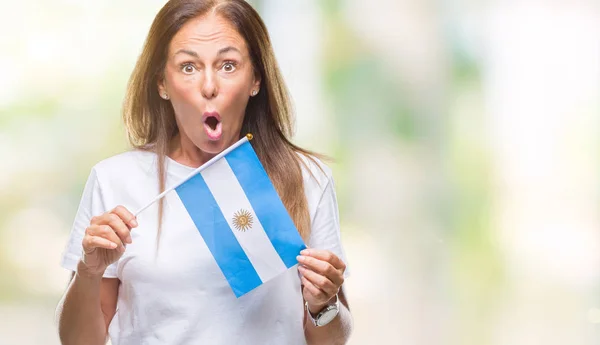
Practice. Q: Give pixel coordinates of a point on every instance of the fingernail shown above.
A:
(134, 223)
(301, 268)
(300, 258)
(113, 245)
(128, 239)
(304, 252)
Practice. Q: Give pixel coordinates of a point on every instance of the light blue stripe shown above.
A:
(266, 203)
(213, 227)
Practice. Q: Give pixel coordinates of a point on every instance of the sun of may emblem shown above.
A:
(242, 220)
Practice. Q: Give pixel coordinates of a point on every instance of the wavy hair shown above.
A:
(150, 122)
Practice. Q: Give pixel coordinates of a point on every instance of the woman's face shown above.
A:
(209, 79)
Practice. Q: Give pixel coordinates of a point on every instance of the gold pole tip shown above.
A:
(249, 136)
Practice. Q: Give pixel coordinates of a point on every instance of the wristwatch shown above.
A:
(326, 315)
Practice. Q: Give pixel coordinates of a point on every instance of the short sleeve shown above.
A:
(325, 229)
(91, 204)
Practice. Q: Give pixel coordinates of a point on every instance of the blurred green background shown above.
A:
(464, 133)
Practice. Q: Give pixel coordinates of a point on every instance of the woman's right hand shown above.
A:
(105, 239)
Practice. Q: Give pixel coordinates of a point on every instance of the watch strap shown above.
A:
(315, 319)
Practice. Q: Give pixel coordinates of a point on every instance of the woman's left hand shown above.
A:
(322, 274)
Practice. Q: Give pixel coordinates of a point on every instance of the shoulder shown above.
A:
(124, 166)
(125, 159)
(317, 179)
(314, 170)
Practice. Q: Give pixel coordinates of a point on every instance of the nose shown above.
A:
(209, 87)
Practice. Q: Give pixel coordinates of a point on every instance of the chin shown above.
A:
(213, 146)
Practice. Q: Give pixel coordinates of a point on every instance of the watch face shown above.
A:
(327, 316)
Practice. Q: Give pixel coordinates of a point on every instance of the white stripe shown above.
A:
(193, 173)
(231, 198)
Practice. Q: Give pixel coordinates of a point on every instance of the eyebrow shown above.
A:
(220, 52)
(228, 49)
(188, 52)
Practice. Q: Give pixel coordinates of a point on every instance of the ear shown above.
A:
(256, 83)
(161, 87)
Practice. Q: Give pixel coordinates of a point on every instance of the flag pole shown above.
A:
(245, 139)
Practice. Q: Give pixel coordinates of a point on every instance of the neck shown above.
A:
(184, 151)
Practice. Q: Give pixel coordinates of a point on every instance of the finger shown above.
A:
(325, 255)
(323, 268)
(119, 227)
(127, 217)
(315, 292)
(105, 231)
(90, 243)
(319, 281)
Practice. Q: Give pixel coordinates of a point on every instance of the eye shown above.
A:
(228, 67)
(188, 68)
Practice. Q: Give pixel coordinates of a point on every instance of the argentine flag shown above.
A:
(238, 212)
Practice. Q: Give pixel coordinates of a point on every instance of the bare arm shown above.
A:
(334, 333)
(86, 309)
(322, 277)
(90, 302)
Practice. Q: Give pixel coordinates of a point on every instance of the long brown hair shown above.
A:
(150, 122)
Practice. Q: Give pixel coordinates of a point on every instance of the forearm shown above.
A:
(337, 332)
(80, 317)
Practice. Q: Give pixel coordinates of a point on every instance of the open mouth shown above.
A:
(212, 125)
(212, 122)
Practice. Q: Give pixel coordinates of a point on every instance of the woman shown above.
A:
(206, 76)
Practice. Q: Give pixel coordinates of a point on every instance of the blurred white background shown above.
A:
(464, 133)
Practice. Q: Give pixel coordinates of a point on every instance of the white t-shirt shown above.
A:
(180, 295)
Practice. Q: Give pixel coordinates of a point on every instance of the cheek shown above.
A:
(184, 88)
(235, 97)
(185, 96)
